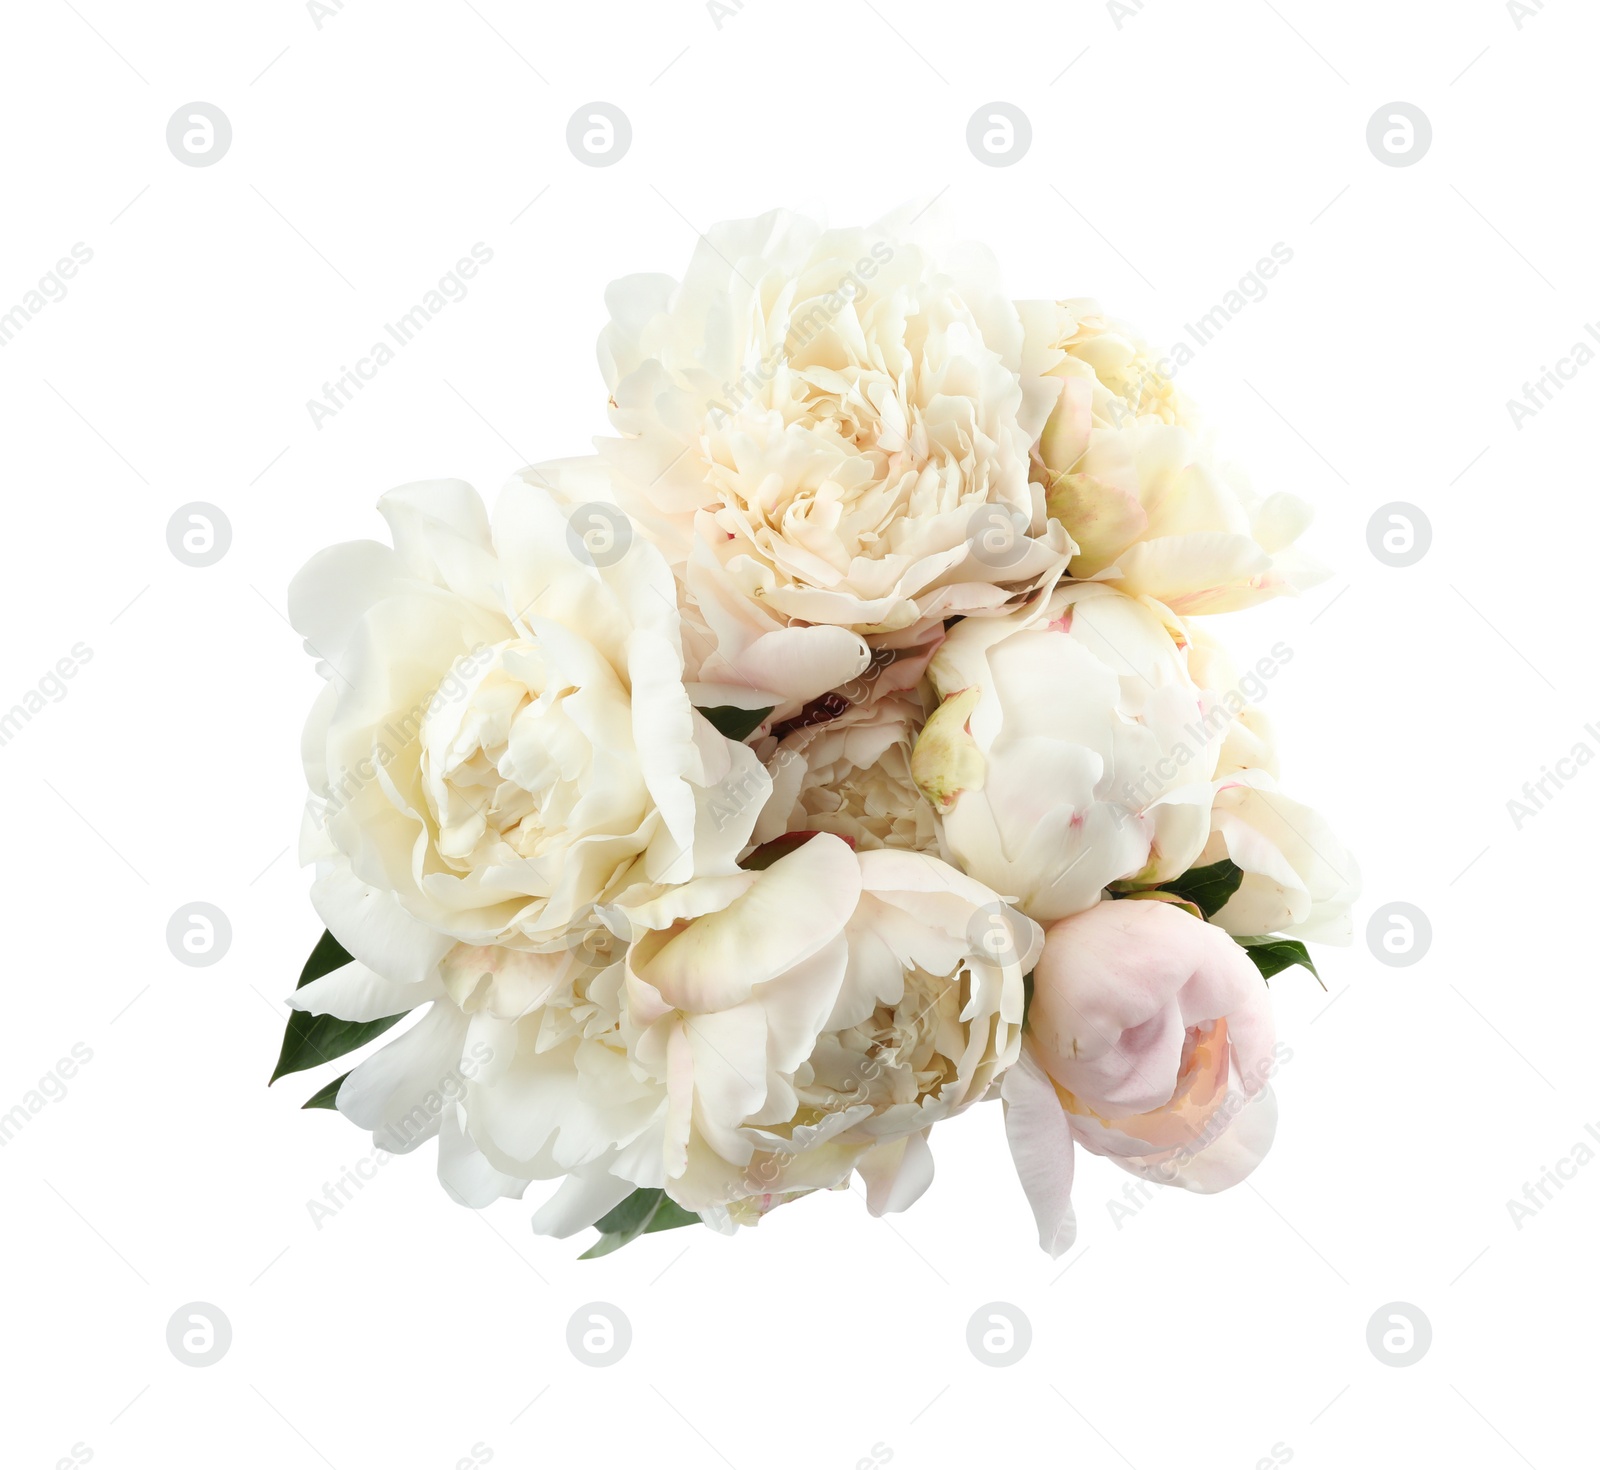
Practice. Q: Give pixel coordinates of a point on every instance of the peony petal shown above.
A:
(1041, 1147)
(581, 1200)
(790, 912)
(370, 923)
(401, 1091)
(896, 1174)
(355, 993)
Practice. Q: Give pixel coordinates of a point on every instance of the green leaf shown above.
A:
(1208, 888)
(309, 1041)
(670, 1216)
(326, 1097)
(780, 847)
(328, 956)
(736, 723)
(1273, 953)
(644, 1212)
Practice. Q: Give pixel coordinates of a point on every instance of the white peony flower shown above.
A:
(828, 433)
(1248, 743)
(851, 776)
(505, 738)
(756, 1035)
(1299, 879)
(1071, 750)
(1126, 473)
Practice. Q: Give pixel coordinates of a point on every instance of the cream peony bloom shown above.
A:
(1248, 742)
(1299, 879)
(1072, 750)
(1126, 473)
(748, 1037)
(828, 432)
(505, 738)
(851, 776)
(1150, 1040)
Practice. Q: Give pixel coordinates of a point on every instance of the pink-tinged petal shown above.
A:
(1041, 1147)
(1238, 1137)
(897, 1174)
(1116, 991)
(1182, 571)
(507, 983)
(1066, 434)
(1098, 504)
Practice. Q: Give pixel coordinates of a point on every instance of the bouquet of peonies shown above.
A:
(833, 750)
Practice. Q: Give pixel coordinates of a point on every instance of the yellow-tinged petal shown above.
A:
(946, 760)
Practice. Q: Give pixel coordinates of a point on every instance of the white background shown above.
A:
(1168, 156)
